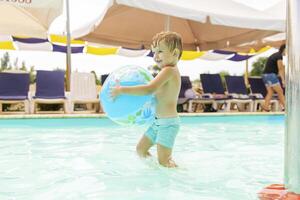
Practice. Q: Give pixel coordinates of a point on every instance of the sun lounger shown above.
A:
(213, 89)
(258, 93)
(238, 94)
(14, 89)
(50, 89)
(84, 92)
(186, 95)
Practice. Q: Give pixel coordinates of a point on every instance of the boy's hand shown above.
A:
(115, 91)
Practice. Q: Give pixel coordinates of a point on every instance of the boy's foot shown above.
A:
(172, 164)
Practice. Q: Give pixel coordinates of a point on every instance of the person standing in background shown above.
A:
(274, 68)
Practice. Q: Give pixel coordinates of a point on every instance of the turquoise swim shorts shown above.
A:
(163, 131)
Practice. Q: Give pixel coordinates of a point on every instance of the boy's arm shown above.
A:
(150, 88)
(281, 71)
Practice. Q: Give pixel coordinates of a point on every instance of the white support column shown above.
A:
(69, 51)
(292, 130)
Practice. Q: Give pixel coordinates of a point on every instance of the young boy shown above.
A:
(167, 49)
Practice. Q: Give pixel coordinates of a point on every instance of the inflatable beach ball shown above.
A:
(128, 109)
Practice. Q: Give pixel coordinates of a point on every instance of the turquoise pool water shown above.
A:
(220, 158)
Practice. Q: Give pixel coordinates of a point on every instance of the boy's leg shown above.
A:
(166, 135)
(146, 142)
(165, 156)
(143, 146)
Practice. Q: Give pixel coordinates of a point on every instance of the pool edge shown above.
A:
(46, 116)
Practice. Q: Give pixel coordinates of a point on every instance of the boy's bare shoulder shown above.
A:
(169, 72)
(170, 69)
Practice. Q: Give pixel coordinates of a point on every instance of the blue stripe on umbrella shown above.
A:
(238, 57)
(223, 52)
(150, 54)
(30, 40)
(63, 49)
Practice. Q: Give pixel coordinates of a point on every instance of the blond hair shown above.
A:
(171, 39)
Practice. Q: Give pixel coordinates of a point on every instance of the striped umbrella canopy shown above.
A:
(56, 43)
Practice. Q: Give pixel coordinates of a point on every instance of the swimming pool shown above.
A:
(220, 158)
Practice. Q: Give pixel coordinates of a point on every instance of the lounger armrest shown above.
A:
(233, 96)
(239, 96)
(49, 97)
(256, 96)
(220, 96)
(206, 96)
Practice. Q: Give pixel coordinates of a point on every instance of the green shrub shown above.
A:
(258, 66)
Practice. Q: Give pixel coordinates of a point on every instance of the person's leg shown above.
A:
(166, 135)
(164, 156)
(143, 146)
(279, 91)
(147, 141)
(268, 98)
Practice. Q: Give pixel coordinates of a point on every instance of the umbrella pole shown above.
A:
(247, 73)
(68, 55)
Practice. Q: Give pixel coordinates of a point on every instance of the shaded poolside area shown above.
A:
(48, 91)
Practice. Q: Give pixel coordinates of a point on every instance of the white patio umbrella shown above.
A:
(212, 24)
(203, 24)
(29, 17)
